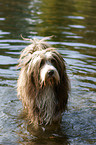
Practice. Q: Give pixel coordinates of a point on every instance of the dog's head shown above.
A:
(46, 66)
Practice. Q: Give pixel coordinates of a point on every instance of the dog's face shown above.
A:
(48, 71)
(46, 66)
(49, 74)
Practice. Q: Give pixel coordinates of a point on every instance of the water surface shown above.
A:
(74, 25)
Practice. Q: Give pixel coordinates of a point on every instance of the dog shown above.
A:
(43, 84)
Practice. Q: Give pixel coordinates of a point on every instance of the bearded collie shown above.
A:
(43, 84)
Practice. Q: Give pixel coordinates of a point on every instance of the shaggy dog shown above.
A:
(43, 83)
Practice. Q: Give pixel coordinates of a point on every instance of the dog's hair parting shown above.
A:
(43, 84)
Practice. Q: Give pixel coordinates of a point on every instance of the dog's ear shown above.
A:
(34, 76)
(63, 87)
(62, 92)
(30, 87)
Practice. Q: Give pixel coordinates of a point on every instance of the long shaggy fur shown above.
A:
(44, 96)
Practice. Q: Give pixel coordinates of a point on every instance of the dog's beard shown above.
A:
(49, 82)
(46, 103)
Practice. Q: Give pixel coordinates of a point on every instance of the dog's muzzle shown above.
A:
(49, 74)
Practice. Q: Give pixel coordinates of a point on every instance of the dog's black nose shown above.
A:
(50, 72)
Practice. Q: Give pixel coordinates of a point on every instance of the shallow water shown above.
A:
(74, 25)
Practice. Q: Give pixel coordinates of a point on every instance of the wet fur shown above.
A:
(44, 101)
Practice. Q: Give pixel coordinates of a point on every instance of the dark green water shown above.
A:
(73, 22)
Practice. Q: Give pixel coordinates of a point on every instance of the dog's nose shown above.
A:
(50, 72)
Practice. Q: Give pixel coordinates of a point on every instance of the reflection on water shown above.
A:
(73, 24)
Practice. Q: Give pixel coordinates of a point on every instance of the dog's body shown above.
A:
(43, 83)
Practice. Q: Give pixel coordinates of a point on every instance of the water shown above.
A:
(74, 25)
